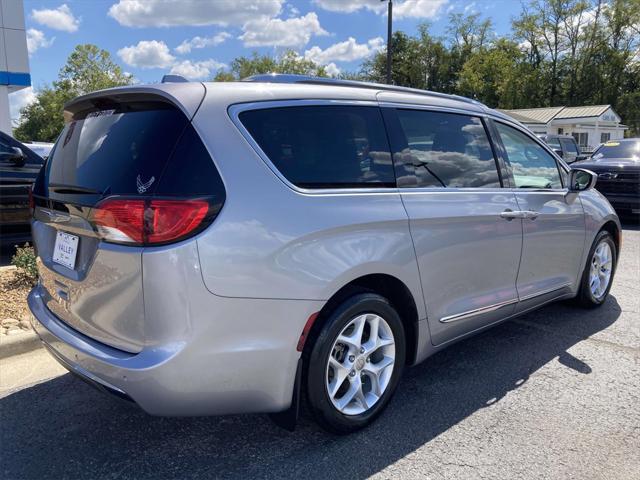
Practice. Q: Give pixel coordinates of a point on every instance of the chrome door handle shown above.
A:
(510, 214)
(524, 214)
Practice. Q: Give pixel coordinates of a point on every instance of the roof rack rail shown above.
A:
(308, 79)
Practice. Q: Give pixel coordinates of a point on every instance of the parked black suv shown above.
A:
(617, 164)
(18, 169)
(565, 146)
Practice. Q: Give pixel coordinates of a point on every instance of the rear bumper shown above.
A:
(185, 378)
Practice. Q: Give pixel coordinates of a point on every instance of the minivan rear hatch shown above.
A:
(122, 146)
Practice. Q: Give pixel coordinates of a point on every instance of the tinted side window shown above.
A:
(569, 145)
(324, 146)
(532, 166)
(554, 143)
(448, 150)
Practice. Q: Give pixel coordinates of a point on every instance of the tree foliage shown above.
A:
(560, 52)
(289, 62)
(88, 68)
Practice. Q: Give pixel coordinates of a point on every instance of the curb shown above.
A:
(25, 342)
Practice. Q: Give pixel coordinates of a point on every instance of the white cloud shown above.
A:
(60, 18)
(332, 69)
(170, 13)
(37, 39)
(274, 32)
(147, 54)
(418, 8)
(196, 70)
(18, 100)
(470, 8)
(349, 6)
(346, 51)
(202, 42)
(401, 9)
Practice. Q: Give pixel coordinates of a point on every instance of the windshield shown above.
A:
(628, 149)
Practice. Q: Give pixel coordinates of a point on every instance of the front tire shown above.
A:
(598, 272)
(355, 363)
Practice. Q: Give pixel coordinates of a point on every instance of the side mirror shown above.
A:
(16, 156)
(581, 180)
(579, 158)
(559, 152)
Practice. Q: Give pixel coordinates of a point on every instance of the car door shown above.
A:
(15, 179)
(570, 149)
(450, 185)
(552, 218)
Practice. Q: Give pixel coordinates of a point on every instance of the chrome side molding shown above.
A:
(477, 311)
(497, 306)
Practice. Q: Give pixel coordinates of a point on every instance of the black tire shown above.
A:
(585, 296)
(326, 414)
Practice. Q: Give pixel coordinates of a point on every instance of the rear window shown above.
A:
(120, 151)
(613, 149)
(131, 149)
(324, 146)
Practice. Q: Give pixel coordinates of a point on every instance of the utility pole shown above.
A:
(389, 33)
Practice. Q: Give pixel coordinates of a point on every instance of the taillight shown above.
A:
(150, 221)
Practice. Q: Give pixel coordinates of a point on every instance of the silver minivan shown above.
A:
(216, 248)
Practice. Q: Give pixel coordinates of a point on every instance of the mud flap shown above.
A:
(288, 419)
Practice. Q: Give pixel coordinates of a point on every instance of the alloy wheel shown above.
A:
(360, 365)
(600, 270)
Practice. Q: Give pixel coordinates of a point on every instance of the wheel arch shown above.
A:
(388, 286)
(615, 231)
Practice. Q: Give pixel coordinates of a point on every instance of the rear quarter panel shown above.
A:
(271, 241)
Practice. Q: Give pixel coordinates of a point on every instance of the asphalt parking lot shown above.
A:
(553, 394)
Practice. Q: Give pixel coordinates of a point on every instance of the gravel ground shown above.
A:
(553, 394)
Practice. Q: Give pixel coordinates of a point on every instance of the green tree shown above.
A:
(492, 75)
(88, 68)
(289, 62)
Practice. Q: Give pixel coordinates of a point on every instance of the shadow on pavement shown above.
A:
(63, 428)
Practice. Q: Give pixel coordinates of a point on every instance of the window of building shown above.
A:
(605, 137)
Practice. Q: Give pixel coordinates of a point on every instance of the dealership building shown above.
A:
(589, 125)
(14, 58)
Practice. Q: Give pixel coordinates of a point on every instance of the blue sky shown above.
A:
(195, 38)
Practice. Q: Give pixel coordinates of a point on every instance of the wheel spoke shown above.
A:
(354, 393)
(355, 339)
(340, 373)
(378, 367)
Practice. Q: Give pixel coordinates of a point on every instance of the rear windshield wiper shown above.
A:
(72, 189)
